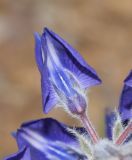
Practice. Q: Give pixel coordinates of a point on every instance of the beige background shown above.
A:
(100, 30)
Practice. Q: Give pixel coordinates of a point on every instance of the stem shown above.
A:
(127, 131)
(88, 126)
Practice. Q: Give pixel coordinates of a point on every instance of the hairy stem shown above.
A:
(88, 126)
(127, 131)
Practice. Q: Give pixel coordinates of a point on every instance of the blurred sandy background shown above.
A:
(101, 30)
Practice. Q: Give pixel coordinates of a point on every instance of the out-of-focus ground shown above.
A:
(100, 30)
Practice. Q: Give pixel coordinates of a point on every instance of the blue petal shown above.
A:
(128, 80)
(49, 98)
(23, 154)
(52, 129)
(48, 95)
(57, 73)
(125, 104)
(110, 118)
(49, 129)
(72, 60)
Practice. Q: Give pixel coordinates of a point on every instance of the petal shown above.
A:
(48, 129)
(46, 149)
(52, 129)
(49, 98)
(48, 95)
(23, 154)
(125, 103)
(72, 60)
(128, 80)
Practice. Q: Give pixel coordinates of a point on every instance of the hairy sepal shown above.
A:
(117, 127)
(85, 143)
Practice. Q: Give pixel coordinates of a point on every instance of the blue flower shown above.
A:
(64, 73)
(125, 104)
(47, 139)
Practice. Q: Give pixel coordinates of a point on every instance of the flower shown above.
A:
(46, 139)
(64, 73)
(125, 104)
(64, 78)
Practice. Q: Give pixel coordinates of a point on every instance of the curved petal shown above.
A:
(125, 103)
(49, 99)
(52, 129)
(72, 60)
(128, 80)
(23, 154)
(37, 131)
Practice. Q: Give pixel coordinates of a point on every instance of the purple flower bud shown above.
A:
(64, 73)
